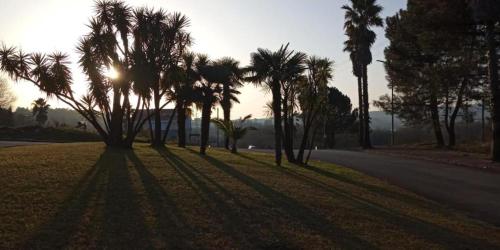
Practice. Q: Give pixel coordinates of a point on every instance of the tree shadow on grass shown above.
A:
(173, 230)
(294, 209)
(102, 210)
(433, 232)
(370, 188)
(225, 208)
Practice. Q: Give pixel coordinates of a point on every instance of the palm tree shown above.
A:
(486, 13)
(212, 76)
(351, 47)
(272, 69)
(234, 131)
(185, 92)
(140, 45)
(359, 20)
(159, 54)
(40, 110)
(229, 88)
(312, 96)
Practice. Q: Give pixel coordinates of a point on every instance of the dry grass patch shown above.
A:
(84, 196)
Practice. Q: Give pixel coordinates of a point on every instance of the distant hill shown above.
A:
(382, 121)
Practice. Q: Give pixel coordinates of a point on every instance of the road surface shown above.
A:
(474, 191)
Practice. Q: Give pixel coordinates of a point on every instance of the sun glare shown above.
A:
(111, 73)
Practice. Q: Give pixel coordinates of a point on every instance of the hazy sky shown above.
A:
(219, 27)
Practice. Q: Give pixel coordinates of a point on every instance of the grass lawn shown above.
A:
(84, 196)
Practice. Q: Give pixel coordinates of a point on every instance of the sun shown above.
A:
(112, 73)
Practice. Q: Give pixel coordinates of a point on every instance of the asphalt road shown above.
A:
(473, 191)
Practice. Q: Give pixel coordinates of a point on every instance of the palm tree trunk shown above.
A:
(366, 112)
(205, 126)
(287, 136)
(313, 139)
(226, 109)
(277, 121)
(181, 127)
(115, 139)
(361, 117)
(305, 138)
(170, 120)
(157, 132)
(495, 92)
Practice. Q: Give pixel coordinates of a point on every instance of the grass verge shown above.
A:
(86, 196)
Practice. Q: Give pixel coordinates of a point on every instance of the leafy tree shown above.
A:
(360, 17)
(6, 117)
(313, 98)
(7, 98)
(40, 111)
(339, 115)
(273, 69)
(234, 130)
(488, 19)
(430, 64)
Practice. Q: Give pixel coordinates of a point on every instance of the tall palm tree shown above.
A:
(229, 88)
(360, 17)
(185, 92)
(40, 111)
(486, 13)
(352, 48)
(233, 130)
(159, 54)
(212, 77)
(312, 97)
(272, 69)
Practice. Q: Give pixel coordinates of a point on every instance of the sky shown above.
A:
(219, 28)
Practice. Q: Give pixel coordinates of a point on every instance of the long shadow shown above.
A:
(294, 209)
(176, 233)
(371, 188)
(433, 232)
(57, 232)
(105, 192)
(124, 223)
(224, 207)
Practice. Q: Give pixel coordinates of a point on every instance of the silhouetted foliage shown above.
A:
(275, 70)
(339, 116)
(40, 111)
(234, 130)
(432, 63)
(360, 17)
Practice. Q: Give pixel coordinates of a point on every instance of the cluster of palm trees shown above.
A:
(148, 51)
(360, 17)
(298, 86)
